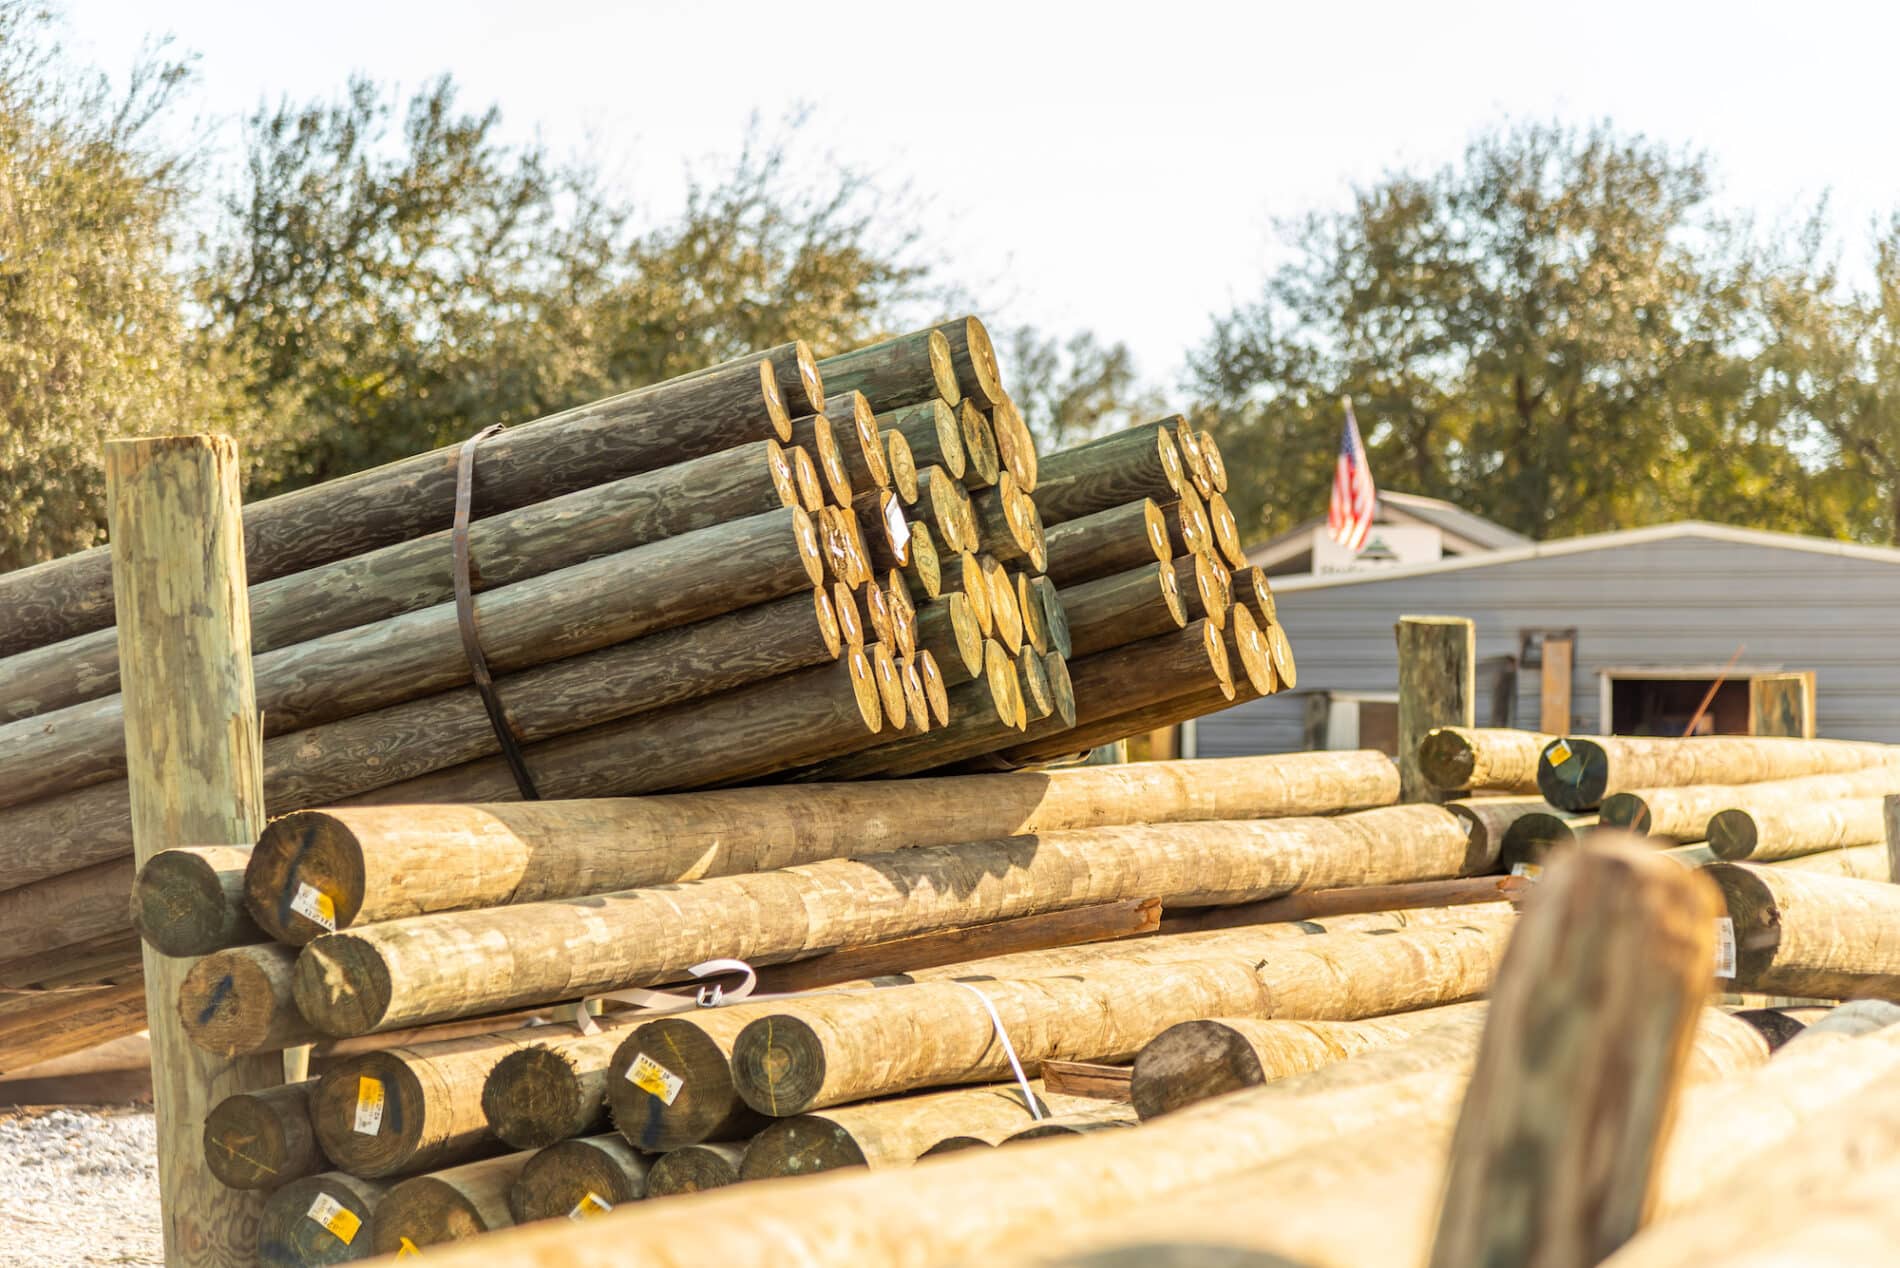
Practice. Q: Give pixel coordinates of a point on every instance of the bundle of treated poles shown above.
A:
(1447, 1085)
(777, 568)
(942, 963)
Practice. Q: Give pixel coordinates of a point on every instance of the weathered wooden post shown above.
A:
(1890, 807)
(192, 750)
(1438, 686)
(1554, 1162)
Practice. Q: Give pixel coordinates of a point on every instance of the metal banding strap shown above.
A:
(465, 619)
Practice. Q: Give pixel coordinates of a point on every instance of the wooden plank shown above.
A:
(1089, 1078)
(194, 746)
(1554, 709)
(1438, 658)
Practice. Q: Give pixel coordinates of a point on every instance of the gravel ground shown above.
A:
(79, 1186)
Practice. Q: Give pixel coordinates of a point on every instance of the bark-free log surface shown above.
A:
(409, 1109)
(190, 723)
(1684, 814)
(692, 1168)
(1579, 773)
(893, 1133)
(289, 1235)
(1123, 607)
(1811, 935)
(1765, 833)
(1457, 759)
(670, 1080)
(86, 905)
(930, 429)
(1861, 862)
(1437, 687)
(263, 1140)
(1556, 1151)
(461, 963)
(636, 431)
(1111, 541)
(579, 1179)
(830, 1050)
(190, 900)
(908, 370)
(554, 1088)
(1141, 462)
(239, 1000)
(447, 1206)
(1197, 1060)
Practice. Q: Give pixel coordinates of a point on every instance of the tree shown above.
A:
(1072, 389)
(92, 341)
(1554, 332)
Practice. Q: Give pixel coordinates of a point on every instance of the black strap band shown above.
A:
(465, 618)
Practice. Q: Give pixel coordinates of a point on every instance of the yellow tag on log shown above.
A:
(341, 1222)
(591, 1205)
(1558, 753)
(313, 904)
(650, 1076)
(407, 1249)
(369, 1105)
(1529, 871)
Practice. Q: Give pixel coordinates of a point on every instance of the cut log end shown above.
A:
(828, 627)
(865, 686)
(287, 1236)
(936, 691)
(704, 1104)
(809, 378)
(427, 1211)
(805, 479)
(784, 478)
(903, 466)
(1251, 648)
(1447, 759)
(1217, 658)
(1283, 667)
(1757, 918)
(844, 605)
(1226, 532)
(800, 1146)
(943, 369)
(180, 904)
(809, 553)
(1733, 835)
(533, 1098)
(342, 986)
(305, 862)
(974, 355)
(261, 1140)
(890, 685)
(336, 1111)
(926, 566)
(1578, 779)
(576, 1177)
(778, 1067)
(232, 1002)
(694, 1169)
(1155, 521)
(776, 412)
(1190, 1062)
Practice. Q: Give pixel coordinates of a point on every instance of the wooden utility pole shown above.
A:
(1556, 1154)
(1438, 686)
(193, 747)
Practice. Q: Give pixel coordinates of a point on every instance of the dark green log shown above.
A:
(1127, 466)
(907, 370)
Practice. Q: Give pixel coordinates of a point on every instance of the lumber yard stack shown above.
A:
(781, 567)
(1392, 1087)
(903, 934)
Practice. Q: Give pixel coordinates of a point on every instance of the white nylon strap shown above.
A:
(705, 997)
(1009, 1050)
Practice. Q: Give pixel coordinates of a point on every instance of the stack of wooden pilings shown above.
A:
(903, 933)
(1596, 1104)
(838, 567)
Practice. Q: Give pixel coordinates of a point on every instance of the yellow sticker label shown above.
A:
(1530, 871)
(313, 904)
(342, 1222)
(591, 1205)
(369, 1105)
(650, 1076)
(407, 1249)
(1558, 753)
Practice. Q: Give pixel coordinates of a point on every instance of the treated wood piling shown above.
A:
(1684, 813)
(553, 1089)
(263, 1140)
(973, 357)
(578, 1178)
(1577, 773)
(893, 1133)
(447, 1206)
(1811, 935)
(1462, 759)
(320, 1219)
(190, 726)
(411, 1109)
(1110, 541)
(670, 1081)
(190, 900)
(908, 370)
(1123, 607)
(1557, 1147)
(1787, 831)
(692, 1168)
(1437, 688)
(1127, 466)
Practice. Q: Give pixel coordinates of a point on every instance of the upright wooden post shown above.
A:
(193, 762)
(1890, 808)
(1438, 686)
(1592, 1018)
(1554, 693)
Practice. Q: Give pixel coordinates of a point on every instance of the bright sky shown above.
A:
(1104, 165)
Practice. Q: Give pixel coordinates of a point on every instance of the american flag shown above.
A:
(1349, 515)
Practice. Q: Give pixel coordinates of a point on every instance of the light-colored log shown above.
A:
(320, 1219)
(403, 1110)
(1861, 862)
(1684, 813)
(1766, 832)
(554, 1087)
(1355, 900)
(447, 1206)
(578, 1179)
(831, 1050)
(1196, 1060)
(1437, 687)
(1462, 759)
(1556, 1153)
(191, 728)
(1811, 935)
(1578, 773)
(404, 972)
